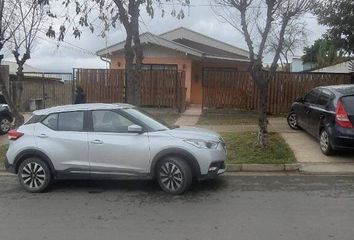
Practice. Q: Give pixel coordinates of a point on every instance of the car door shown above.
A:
(306, 109)
(318, 111)
(113, 151)
(62, 137)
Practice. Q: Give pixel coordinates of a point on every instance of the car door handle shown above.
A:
(97, 141)
(42, 135)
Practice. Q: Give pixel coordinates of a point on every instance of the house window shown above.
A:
(172, 67)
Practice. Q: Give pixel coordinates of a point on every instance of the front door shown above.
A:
(113, 151)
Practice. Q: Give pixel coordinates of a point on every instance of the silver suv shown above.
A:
(111, 141)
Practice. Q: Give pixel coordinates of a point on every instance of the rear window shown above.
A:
(348, 103)
(34, 119)
(71, 121)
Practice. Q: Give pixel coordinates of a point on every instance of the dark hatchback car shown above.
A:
(327, 113)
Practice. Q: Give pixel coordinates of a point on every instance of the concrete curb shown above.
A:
(304, 168)
(263, 167)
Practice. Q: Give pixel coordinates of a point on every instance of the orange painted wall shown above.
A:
(183, 64)
(192, 68)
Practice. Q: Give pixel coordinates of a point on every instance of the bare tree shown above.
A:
(29, 17)
(255, 19)
(8, 27)
(111, 12)
(295, 38)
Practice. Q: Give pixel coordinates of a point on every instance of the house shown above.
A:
(185, 50)
(298, 65)
(13, 67)
(343, 67)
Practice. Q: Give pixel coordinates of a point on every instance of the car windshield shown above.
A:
(153, 123)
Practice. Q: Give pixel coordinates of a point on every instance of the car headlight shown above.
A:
(202, 144)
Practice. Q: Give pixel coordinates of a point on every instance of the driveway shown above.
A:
(4, 139)
(305, 147)
(232, 207)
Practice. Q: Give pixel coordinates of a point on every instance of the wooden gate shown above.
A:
(159, 88)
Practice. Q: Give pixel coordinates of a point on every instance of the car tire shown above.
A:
(325, 143)
(5, 125)
(34, 175)
(174, 175)
(292, 121)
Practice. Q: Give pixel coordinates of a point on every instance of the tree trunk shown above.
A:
(129, 69)
(262, 117)
(139, 57)
(19, 87)
(261, 80)
(19, 119)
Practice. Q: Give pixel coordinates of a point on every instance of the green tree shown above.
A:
(338, 15)
(323, 53)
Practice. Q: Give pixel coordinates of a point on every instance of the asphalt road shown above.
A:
(232, 207)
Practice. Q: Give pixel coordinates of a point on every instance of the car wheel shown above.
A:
(34, 175)
(5, 125)
(174, 175)
(325, 143)
(292, 121)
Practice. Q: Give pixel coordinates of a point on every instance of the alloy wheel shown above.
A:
(171, 176)
(324, 141)
(292, 120)
(5, 125)
(33, 175)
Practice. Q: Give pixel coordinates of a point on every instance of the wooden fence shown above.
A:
(231, 89)
(43, 90)
(101, 85)
(159, 88)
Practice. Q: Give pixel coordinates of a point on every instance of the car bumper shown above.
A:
(343, 138)
(9, 167)
(215, 169)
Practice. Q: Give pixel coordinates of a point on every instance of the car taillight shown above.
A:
(342, 118)
(14, 134)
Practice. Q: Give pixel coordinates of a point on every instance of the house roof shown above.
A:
(13, 67)
(189, 42)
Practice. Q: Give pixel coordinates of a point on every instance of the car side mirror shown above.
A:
(300, 99)
(135, 129)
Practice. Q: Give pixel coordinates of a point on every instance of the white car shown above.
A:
(111, 141)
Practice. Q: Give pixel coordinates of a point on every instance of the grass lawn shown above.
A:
(241, 149)
(227, 117)
(3, 149)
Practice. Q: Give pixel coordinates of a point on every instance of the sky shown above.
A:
(51, 55)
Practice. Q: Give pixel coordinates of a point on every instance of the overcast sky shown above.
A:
(80, 53)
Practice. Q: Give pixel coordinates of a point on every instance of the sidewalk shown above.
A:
(191, 116)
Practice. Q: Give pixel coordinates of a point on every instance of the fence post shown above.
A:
(176, 91)
(125, 87)
(43, 91)
(73, 86)
(202, 89)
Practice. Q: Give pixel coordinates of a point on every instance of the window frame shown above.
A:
(330, 96)
(85, 121)
(150, 67)
(116, 111)
(318, 94)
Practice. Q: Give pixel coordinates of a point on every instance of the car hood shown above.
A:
(194, 133)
